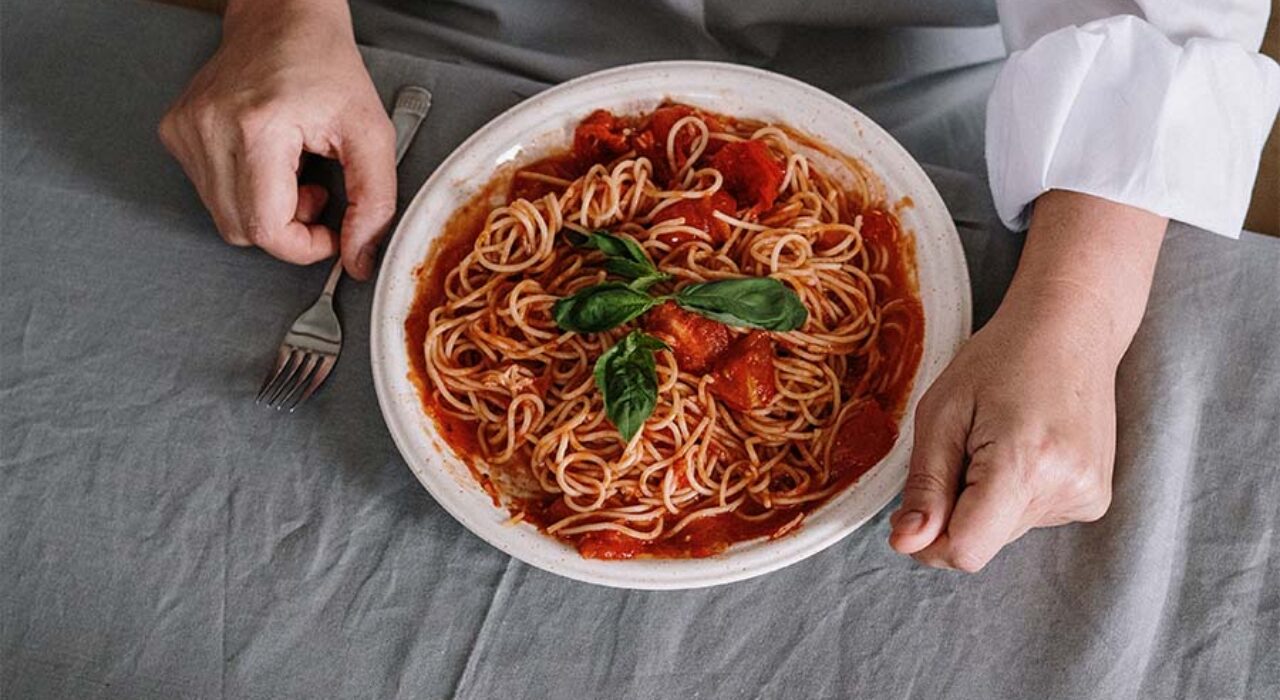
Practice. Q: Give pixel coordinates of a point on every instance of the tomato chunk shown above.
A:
(651, 141)
(744, 376)
(700, 214)
(751, 173)
(696, 340)
(599, 139)
(862, 440)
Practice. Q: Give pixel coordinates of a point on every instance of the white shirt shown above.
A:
(1159, 104)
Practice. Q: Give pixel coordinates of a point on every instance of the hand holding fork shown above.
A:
(314, 341)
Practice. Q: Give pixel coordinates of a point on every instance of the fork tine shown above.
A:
(322, 373)
(281, 358)
(307, 365)
(287, 378)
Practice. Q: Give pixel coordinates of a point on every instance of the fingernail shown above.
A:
(365, 260)
(909, 523)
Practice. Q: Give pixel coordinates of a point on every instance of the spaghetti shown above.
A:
(751, 429)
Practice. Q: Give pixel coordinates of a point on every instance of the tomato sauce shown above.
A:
(701, 538)
(444, 255)
(868, 432)
(699, 214)
(884, 228)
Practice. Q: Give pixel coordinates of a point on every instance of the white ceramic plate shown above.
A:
(545, 122)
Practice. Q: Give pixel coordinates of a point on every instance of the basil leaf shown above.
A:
(753, 302)
(643, 282)
(609, 244)
(637, 272)
(623, 257)
(627, 376)
(601, 307)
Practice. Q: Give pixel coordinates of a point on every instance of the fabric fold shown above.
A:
(1116, 109)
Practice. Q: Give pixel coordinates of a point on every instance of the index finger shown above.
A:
(367, 152)
(267, 194)
(988, 515)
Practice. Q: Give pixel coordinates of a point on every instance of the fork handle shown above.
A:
(412, 104)
(335, 274)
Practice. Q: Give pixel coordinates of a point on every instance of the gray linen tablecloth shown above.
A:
(162, 537)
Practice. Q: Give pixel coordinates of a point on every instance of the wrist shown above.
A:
(1085, 272)
(1068, 317)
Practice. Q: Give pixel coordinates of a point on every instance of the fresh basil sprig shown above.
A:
(626, 374)
(752, 302)
(747, 302)
(601, 307)
(622, 256)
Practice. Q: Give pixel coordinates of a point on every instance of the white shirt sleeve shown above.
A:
(1158, 104)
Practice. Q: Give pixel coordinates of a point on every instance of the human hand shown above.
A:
(1019, 431)
(286, 79)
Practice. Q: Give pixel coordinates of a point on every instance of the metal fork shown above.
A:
(311, 347)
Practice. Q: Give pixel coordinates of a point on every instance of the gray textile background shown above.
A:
(161, 537)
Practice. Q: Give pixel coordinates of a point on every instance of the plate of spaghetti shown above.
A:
(664, 326)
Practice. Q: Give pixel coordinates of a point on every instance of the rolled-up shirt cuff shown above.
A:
(1115, 109)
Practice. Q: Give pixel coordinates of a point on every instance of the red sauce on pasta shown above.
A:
(753, 179)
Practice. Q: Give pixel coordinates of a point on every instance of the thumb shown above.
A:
(367, 152)
(933, 482)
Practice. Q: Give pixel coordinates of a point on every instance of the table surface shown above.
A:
(162, 537)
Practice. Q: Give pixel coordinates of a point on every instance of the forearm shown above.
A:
(1086, 271)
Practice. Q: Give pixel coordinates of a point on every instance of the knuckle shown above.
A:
(1094, 499)
(929, 406)
(204, 115)
(257, 234)
(1041, 460)
(1079, 483)
(254, 122)
(921, 481)
(166, 131)
(1064, 474)
(1083, 477)
(967, 559)
(225, 225)
(970, 549)
(231, 235)
(1094, 511)
(931, 561)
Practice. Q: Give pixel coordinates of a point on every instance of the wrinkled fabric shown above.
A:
(162, 537)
